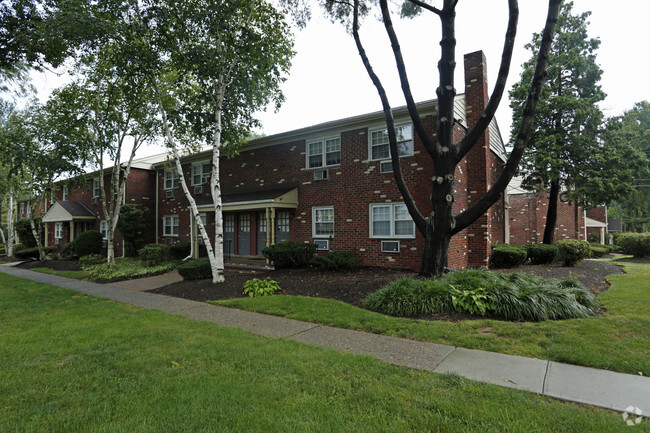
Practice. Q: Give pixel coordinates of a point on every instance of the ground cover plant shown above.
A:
(126, 268)
(71, 362)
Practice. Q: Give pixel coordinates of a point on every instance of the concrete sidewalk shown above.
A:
(610, 390)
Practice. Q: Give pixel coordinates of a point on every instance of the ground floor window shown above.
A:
(103, 229)
(58, 230)
(170, 225)
(391, 220)
(323, 220)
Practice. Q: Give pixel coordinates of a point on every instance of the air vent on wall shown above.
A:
(169, 193)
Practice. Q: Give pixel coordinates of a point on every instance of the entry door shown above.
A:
(244, 235)
(282, 227)
(262, 232)
(228, 233)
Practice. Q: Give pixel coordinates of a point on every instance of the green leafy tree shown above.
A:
(216, 63)
(132, 225)
(440, 223)
(566, 150)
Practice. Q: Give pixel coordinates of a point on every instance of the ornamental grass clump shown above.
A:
(517, 296)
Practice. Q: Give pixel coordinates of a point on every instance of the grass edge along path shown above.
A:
(74, 362)
(617, 340)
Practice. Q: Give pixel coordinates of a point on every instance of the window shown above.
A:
(65, 192)
(229, 223)
(282, 221)
(170, 225)
(103, 229)
(322, 244)
(244, 223)
(391, 221)
(322, 153)
(323, 218)
(201, 173)
(22, 209)
(58, 230)
(171, 178)
(204, 221)
(379, 148)
(96, 187)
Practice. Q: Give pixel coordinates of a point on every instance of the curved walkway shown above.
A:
(607, 389)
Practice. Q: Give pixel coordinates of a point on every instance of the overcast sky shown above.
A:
(328, 81)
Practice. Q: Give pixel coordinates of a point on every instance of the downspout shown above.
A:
(191, 240)
(157, 204)
(584, 215)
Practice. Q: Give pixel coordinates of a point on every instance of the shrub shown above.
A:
(541, 254)
(336, 260)
(594, 238)
(180, 251)
(67, 251)
(23, 229)
(598, 250)
(132, 225)
(154, 254)
(507, 256)
(88, 242)
(513, 296)
(199, 269)
(257, 287)
(573, 251)
(91, 259)
(290, 254)
(637, 244)
(32, 253)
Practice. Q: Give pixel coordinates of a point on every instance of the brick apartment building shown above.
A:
(331, 184)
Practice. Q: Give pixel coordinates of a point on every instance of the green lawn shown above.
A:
(70, 362)
(617, 340)
(79, 275)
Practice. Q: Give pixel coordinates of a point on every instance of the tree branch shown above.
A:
(470, 215)
(426, 6)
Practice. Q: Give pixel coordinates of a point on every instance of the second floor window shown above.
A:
(201, 173)
(103, 228)
(379, 148)
(96, 187)
(322, 153)
(65, 192)
(171, 178)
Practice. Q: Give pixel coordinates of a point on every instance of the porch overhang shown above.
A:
(279, 198)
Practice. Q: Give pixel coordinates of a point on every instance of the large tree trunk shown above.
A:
(11, 238)
(551, 214)
(218, 270)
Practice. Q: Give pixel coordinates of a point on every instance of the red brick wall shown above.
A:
(528, 219)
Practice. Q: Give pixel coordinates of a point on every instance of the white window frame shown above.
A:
(322, 244)
(371, 145)
(58, 230)
(170, 222)
(324, 143)
(96, 187)
(171, 179)
(205, 177)
(317, 218)
(103, 229)
(393, 221)
(65, 193)
(204, 219)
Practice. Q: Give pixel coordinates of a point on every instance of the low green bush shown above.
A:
(199, 269)
(573, 251)
(333, 261)
(91, 259)
(33, 253)
(507, 256)
(67, 250)
(88, 242)
(154, 254)
(290, 254)
(541, 254)
(513, 296)
(598, 250)
(637, 244)
(180, 250)
(257, 287)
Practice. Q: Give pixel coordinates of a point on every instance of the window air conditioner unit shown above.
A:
(390, 246)
(56, 241)
(94, 200)
(386, 167)
(322, 244)
(169, 193)
(321, 174)
(104, 243)
(198, 189)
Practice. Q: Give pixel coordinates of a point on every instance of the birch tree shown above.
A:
(217, 63)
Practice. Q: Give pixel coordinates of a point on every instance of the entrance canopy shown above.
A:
(268, 198)
(68, 211)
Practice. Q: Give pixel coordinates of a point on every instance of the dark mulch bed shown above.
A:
(353, 286)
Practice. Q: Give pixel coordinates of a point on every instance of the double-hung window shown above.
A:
(96, 192)
(171, 178)
(103, 229)
(201, 173)
(391, 220)
(58, 230)
(323, 153)
(379, 147)
(170, 225)
(323, 219)
(65, 193)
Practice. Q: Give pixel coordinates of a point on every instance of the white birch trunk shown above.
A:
(215, 185)
(32, 224)
(11, 237)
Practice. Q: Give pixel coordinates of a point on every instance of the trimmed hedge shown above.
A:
(573, 251)
(290, 254)
(195, 270)
(508, 256)
(67, 250)
(88, 242)
(180, 251)
(637, 244)
(598, 250)
(335, 260)
(153, 254)
(541, 254)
